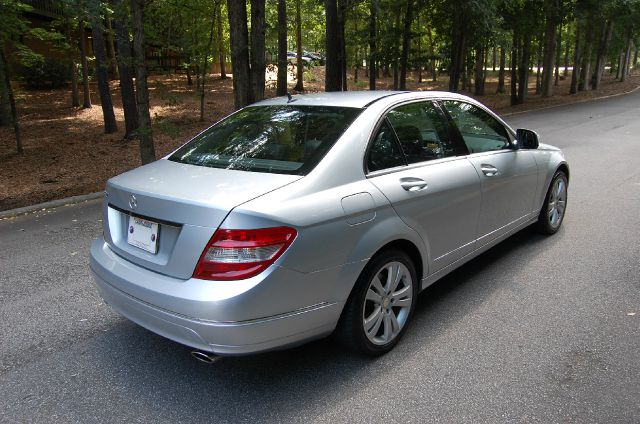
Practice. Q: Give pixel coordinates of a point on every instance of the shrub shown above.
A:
(41, 72)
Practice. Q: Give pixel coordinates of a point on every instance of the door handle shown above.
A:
(489, 170)
(413, 184)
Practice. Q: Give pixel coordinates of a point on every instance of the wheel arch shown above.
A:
(564, 168)
(410, 249)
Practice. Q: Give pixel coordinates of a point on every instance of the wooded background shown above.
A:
(69, 42)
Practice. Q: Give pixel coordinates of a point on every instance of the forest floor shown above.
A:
(66, 152)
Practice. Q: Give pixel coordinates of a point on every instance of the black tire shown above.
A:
(546, 223)
(351, 328)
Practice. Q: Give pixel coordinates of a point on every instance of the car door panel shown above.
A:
(441, 201)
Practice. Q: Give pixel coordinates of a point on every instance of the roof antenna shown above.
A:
(290, 97)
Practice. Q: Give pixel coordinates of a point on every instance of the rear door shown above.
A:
(425, 175)
(508, 176)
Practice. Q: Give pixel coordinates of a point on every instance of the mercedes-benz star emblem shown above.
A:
(133, 202)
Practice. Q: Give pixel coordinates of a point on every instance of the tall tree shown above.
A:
(603, 48)
(299, 64)
(86, 92)
(577, 58)
(222, 55)
(406, 39)
(552, 12)
(282, 48)
(125, 68)
(144, 132)
(99, 51)
(333, 67)
(257, 48)
(373, 43)
(5, 88)
(205, 67)
(237, 10)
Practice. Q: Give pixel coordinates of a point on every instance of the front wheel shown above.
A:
(381, 304)
(555, 204)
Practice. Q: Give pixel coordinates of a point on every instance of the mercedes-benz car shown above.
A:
(300, 216)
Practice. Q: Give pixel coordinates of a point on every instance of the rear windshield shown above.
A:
(275, 139)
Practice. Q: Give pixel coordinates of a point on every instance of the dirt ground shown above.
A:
(66, 152)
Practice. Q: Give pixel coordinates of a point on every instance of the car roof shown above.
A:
(357, 99)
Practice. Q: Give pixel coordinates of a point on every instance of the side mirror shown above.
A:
(527, 139)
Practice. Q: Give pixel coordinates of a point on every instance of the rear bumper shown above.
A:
(216, 319)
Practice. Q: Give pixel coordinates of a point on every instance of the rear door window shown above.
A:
(422, 131)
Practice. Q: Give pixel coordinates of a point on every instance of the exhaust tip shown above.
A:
(206, 357)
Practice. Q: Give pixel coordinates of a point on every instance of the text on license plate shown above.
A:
(143, 233)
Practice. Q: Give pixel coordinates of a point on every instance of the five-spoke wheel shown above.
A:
(555, 205)
(381, 304)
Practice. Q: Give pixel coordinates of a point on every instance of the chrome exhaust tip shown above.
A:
(206, 357)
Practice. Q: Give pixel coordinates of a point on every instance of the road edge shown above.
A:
(67, 201)
(572, 103)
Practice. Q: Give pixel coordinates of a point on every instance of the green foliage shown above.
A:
(44, 72)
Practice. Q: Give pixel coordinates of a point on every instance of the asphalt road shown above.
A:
(536, 330)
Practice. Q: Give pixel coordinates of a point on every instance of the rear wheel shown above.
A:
(381, 304)
(555, 204)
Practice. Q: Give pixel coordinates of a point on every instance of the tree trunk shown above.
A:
(565, 72)
(111, 52)
(205, 66)
(503, 57)
(457, 51)
(73, 68)
(100, 54)
(406, 39)
(125, 68)
(239, 52)
(144, 133)
(603, 47)
(333, 69)
(627, 57)
(558, 53)
(222, 55)
(282, 48)
(550, 41)
(342, 11)
(86, 100)
(434, 69)
(371, 65)
(634, 63)
(7, 91)
(257, 49)
(396, 52)
(575, 72)
(479, 72)
(619, 64)
(514, 62)
(523, 77)
(494, 58)
(538, 68)
(299, 65)
(585, 68)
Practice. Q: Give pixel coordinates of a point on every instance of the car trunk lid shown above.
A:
(187, 202)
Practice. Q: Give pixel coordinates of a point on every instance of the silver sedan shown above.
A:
(297, 217)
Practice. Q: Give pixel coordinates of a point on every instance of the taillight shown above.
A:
(240, 254)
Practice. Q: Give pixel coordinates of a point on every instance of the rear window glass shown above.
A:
(275, 139)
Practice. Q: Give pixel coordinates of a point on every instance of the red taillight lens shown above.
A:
(240, 254)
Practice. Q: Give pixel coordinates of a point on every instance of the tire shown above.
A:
(555, 205)
(376, 314)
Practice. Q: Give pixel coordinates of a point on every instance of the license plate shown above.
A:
(143, 233)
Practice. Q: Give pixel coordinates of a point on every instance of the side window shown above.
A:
(480, 131)
(385, 151)
(422, 131)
